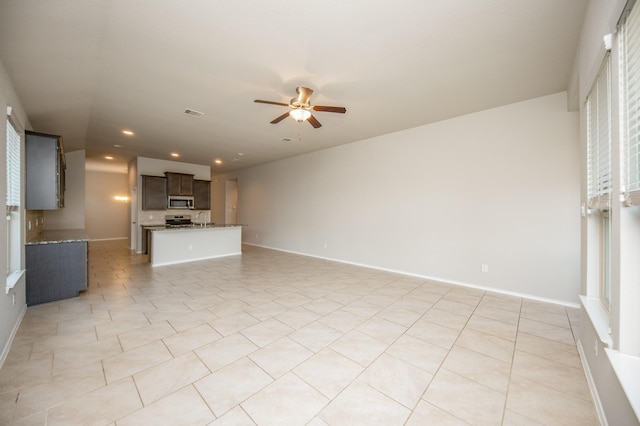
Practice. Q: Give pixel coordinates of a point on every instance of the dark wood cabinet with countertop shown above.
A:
(56, 266)
(154, 193)
(201, 194)
(146, 236)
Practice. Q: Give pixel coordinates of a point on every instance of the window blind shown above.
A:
(13, 167)
(630, 81)
(599, 139)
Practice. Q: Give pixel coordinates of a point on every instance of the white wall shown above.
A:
(499, 187)
(72, 215)
(12, 305)
(156, 167)
(106, 217)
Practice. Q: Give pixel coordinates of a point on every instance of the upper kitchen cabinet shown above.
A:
(154, 193)
(201, 194)
(179, 183)
(45, 167)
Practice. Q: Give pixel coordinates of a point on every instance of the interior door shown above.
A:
(133, 206)
(231, 202)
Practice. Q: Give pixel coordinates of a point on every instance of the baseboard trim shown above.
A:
(592, 384)
(7, 347)
(427, 277)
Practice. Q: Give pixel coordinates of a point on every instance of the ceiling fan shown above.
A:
(301, 108)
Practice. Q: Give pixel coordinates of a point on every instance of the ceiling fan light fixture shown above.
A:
(299, 114)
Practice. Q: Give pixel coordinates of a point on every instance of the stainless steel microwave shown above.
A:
(180, 202)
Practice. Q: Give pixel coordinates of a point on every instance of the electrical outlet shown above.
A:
(485, 267)
(595, 347)
(29, 225)
(325, 245)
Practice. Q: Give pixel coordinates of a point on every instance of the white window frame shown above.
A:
(627, 328)
(629, 47)
(600, 171)
(13, 203)
(599, 165)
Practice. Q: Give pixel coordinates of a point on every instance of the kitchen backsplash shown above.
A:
(156, 217)
(34, 223)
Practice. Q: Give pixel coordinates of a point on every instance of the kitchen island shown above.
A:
(197, 242)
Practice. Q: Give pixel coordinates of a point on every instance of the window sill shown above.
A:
(599, 317)
(627, 369)
(12, 279)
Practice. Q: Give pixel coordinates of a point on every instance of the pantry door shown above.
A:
(231, 202)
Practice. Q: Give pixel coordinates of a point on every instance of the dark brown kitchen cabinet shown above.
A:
(45, 167)
(202, 194)
(154, 193)
(179, 183)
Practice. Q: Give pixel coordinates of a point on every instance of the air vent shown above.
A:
(193, 112)
(286, 139)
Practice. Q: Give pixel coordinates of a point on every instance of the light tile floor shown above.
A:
(272, 338)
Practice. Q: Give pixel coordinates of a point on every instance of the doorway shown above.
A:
(231, 201)
(133, 214)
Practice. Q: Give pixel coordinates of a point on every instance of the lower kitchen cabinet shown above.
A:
(55, 271)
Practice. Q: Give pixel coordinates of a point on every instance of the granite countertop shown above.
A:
(154, 228)
(59, 236)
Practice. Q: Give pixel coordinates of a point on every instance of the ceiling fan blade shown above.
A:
(341, 110)
(260, 101)
(315, 123)
(279, 119)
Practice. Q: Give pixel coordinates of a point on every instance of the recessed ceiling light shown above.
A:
(128, 132)
(117, 146)
(241, 154)
(175, 154)
(217, 161)
(108, 157)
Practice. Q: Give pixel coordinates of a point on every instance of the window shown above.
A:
(605, 257)
(599, 139)
(611, 117)
(630, 100)
(13, 167)
(627, 231)
(599, 170)
(13, 210)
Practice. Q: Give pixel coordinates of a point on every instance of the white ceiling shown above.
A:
(87, 69)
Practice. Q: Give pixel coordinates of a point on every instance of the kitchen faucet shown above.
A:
(198, 219)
